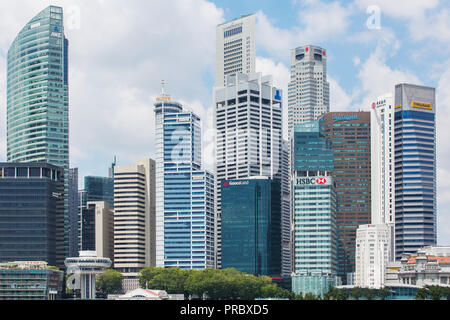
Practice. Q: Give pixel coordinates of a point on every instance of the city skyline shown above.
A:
(375, 66)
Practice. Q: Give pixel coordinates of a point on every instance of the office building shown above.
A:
(251, 226)
(308, 89)
(248, 120)
(104, 229)
(38, 97)
(372, 252)
(73, 212)
(286, 255)
(32, 213)
(314, 208)
(99, 189)
(184, 192)
(415, 168)
(30, 280)
(349, 135)
(134, 219)
(235, 48)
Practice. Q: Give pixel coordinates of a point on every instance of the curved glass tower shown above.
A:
(37, 95)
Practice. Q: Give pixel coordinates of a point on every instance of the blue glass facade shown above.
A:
(184, 192)
(38, 97)
(251, 226)
(415, 168)
(314, 210)
(99, 189)
(31, 213)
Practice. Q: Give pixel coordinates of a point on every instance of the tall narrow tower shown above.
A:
(308, 90)
(235, 48)
(38, 99)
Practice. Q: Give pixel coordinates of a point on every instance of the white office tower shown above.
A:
(372, 252)
(104, 229)
(375, 243)
(235, 48)
(134, 219)
(248, 120)
(308, 90)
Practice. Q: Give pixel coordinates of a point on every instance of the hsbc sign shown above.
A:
(314, 181)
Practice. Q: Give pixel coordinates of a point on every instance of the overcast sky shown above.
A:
(121, 50)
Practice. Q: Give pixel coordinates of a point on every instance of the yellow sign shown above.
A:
(422, 105)
(163, 99)
(399, 106)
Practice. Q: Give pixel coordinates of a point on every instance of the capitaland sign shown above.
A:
(235, 183)
(313, 181)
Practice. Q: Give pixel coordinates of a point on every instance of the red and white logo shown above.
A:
(226, 184)
(321, 180)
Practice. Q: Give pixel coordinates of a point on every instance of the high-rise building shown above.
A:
(99, 189)
(38, 98)
(372, 252)
(73, 212)
(235, 48)
(184, 192)
(313, 193)
(286, 255)
(248, 120)
(308, 90)
(415, 168)
(349, 135)
(104, 229)
(251, 226)
(134, 219)
(32, 213)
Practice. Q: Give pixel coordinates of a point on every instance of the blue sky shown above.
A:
(121, 50)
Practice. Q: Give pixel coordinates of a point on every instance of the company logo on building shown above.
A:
(235, 183)
(422, 105)
(311, 181)
(340, 118)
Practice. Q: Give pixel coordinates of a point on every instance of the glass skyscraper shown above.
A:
(415, 168)
(99, 189)
(184, 192)
(31, 213)
(314, 209)
(38, 98)
(251, 226)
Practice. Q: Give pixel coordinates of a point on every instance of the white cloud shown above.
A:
(399, 8)
(119, 53)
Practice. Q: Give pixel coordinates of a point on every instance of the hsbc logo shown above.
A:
(312, 181)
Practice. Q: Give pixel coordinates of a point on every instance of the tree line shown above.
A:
(231, 284)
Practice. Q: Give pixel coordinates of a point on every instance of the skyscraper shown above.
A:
(313, 193)
(73, 212)
(248, 119)
(349, 135)
(184, 192)
(308, 90)
(235, 48)
(134, 219)
(415, 168)
(99, 189)
(31, 213)
(37, 97)
(251, 226)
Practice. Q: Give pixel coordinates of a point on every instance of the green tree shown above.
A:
(147, 274)
(422, 294)
(172, 280)
(357, 293)
(343, 294)
(384, 292)
(435, 292)
(369, 294)
(109, 282)
(310, 296)
(299, 296)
